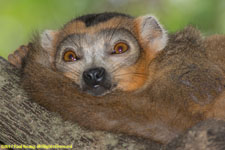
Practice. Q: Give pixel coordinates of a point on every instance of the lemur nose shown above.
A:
(94, 76)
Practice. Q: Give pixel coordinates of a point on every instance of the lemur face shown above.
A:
(105, 52)
(93, 60)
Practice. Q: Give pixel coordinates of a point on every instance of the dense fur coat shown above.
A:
(185, 86)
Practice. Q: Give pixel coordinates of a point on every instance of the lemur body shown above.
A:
(114, 72)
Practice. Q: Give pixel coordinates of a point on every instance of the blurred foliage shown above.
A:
(19, 19)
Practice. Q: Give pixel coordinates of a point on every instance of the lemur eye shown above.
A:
(70, 56)
(120, 47)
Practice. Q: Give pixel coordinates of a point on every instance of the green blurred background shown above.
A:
(19, 19)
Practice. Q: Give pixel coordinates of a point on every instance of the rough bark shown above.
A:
(25, 122)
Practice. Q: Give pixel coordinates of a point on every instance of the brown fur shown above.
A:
(181, 86)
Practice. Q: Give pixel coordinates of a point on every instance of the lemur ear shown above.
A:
(47, 39)
(151, 32)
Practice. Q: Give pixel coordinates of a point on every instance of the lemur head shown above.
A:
(104, 52)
